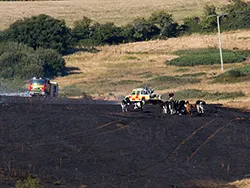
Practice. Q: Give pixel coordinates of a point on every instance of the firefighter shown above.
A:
(171, 96)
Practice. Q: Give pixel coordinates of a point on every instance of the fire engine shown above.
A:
(43, 87)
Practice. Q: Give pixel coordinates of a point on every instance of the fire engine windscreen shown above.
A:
(37, 81)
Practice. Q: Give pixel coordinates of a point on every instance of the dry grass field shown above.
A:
(118, 11)
(114, 71)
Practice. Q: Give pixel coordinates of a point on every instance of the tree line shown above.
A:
(35, 46)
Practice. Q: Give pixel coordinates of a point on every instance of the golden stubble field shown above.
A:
(115, 70)
(120, 12)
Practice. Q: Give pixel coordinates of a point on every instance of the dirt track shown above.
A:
(69, 145)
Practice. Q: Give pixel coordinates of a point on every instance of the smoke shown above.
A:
(21, 94)
(12, 88)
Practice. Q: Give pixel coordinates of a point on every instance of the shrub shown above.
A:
(127, 33)
(192, 25)
(29, 182)
(2, 35)
(234, 75)
(238, 16)
(52, 63)
(82, 28)
(83, 32)
(165, 23)
(206, 57)
(209, 22)
(144, 29)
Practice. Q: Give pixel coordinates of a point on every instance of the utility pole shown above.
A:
(220, 46)
(219, 38)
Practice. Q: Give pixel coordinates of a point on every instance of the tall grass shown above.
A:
(175, 80)
(199, 94)
(209, 56)
(193, 74)
(126, 82)
(73, 91)
(166, 82)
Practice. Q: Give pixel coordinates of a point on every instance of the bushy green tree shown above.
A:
(192, 25)
(144, 29)
(52, 63)
(171, 30)
(165, 23)
(107, 33)
(238, 15)
(127, 33)
(83, 30)
(161, 19)
(41, 31)
(20, 61)
(209, 21)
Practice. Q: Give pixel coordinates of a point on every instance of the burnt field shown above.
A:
(97, 146)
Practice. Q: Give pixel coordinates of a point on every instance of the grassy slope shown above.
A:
(115, 70)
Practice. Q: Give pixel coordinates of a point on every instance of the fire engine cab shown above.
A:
(43, 87)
